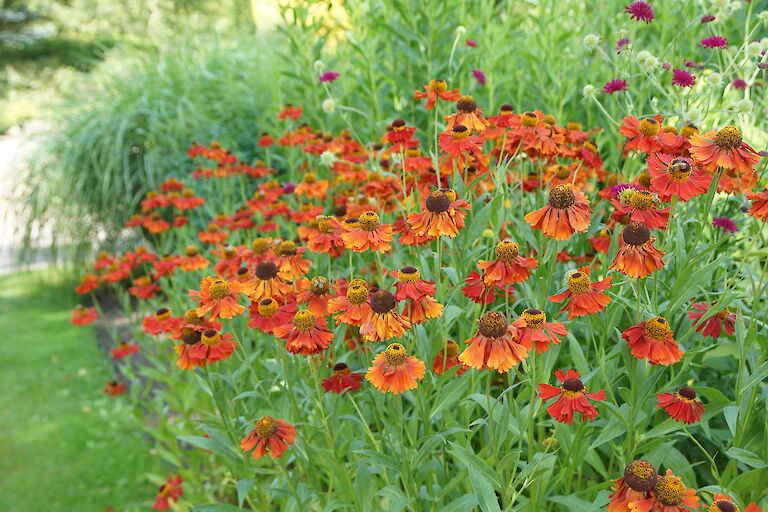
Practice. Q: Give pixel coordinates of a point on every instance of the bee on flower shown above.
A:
(676, 176)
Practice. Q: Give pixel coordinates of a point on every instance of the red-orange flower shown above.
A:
(306, 334)
(494, 346)
(640, 206)
(192, 260)
(88, 283)
(676, 176)
(168, 493)
(653, 340)
(367, 233)
(573, 398)
(270, 435)
(723, 503)
(82, 315)
(532, 327)
(124, 349)
(342, 380)
(290, 260)
(394, 371)
(419, 295)
(637, 256)
(144, 288)
(447, 358)
(478, 290)
(725, 149)
(210, 347)
(669, 494)
(383, 321)
(508, 267)
(268, 313)
(682, 406)
(714, 325)
(161, 322)
(467, 114)
(218, 297)
(352, 307)
(444, 215)
(583, 297)
(566, 213)
(636, 484)
(647, 135)
(436, 89)
(759, 208)
(114, 388)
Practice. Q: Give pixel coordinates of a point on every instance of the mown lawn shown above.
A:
(65, 445)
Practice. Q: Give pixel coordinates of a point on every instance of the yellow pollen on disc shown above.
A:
(211, 339)
(286, 248)
(670, 490)
(573, 126)
(640, 475)
(304, 320)
(579, 282)
(190, 250)
(267, 307)
(658, 328)
(357, 294)
(260, 245)
(561, 197)
(162, 314)
(310, 177)
(529, 119)
(218, 289)
(649, 127)
(395, 355)
(324, 225)
(688, 130)
(729, 137)
(642, 200)
(213, 228)
(451, 348)
(369, 221)
(438, 86)
(534, 318)
(679, 169)
(408, 275)
(562, 172)
(493, 325)
(266, 427)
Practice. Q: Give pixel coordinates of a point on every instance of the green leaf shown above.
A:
(475, 464)
(217, 508)
(243, 486)
(757, 376)
(486, 498)
(573, 503)
(209, 444)
(466, 502)
(746, 457)
(731, 414)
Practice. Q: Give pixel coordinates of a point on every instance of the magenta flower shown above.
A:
(479, 76)
(682, 78)
(714, 42)
(739, 84)
(707, 18)
(725, 223)
(620, 44)
(762, 65)
(640, 11)
(666, 66)
(329, 76)
(691, 64)
(615, 86)
(472, 43)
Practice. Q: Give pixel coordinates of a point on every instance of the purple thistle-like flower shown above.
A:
(714, 42)
(762, 65)
(739, 84)
(666, 66)
(682, 78)
(479, 76)
(472, 43)
(725, 223)
(329, 76)
(707, 18)
(640, 11)
(621, 44)
(615, 86)
(288, 188)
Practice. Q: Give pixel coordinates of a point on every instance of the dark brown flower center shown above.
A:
(438, 202)
(573, 385)
(266, 270)
(636, 233)
(725, 506)
(687, 392)
(561, 197)
(466, 104)
(493, 325)
(382, 302)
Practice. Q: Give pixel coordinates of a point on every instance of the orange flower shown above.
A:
(436, 89)
(168, 493)
(467, 114)
(144, 288)
(124, 349)
(192, 260)
(267, 314)
(638, 480)
(640, 206)
(725, 149)
(478, 290)
(290, 261)
(459, 146)
(84, 316)
(306, 334)
(447, 358)
(565, 214)
(161, 322)
(213, 235)
(342, 380)
(532, 327)
(669, 494)
(647, 135)
(353, 307)
(759, 208)
(676, 177)
(383, 321)
(419, 293)
(319, 291)
(327, 237)
(399, 134)
(572, 398)
(270, 435)
(682, 406)
(311, 187)
(393, 370)
(367, 233)
(88, 283)
(494, 346)
(268, 282)
(508, 267)
(444, 215)
(583, 297)
(725, 503)
(210, 348)
(653, 340)
(637, 256)
(219, 297)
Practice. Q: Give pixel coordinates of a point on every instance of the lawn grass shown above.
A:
(66, 446)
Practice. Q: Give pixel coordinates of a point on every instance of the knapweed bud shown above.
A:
(591, 41)
(754, 49)
(329, 105)
(589, 91)
(745, 106)
(327, 158)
